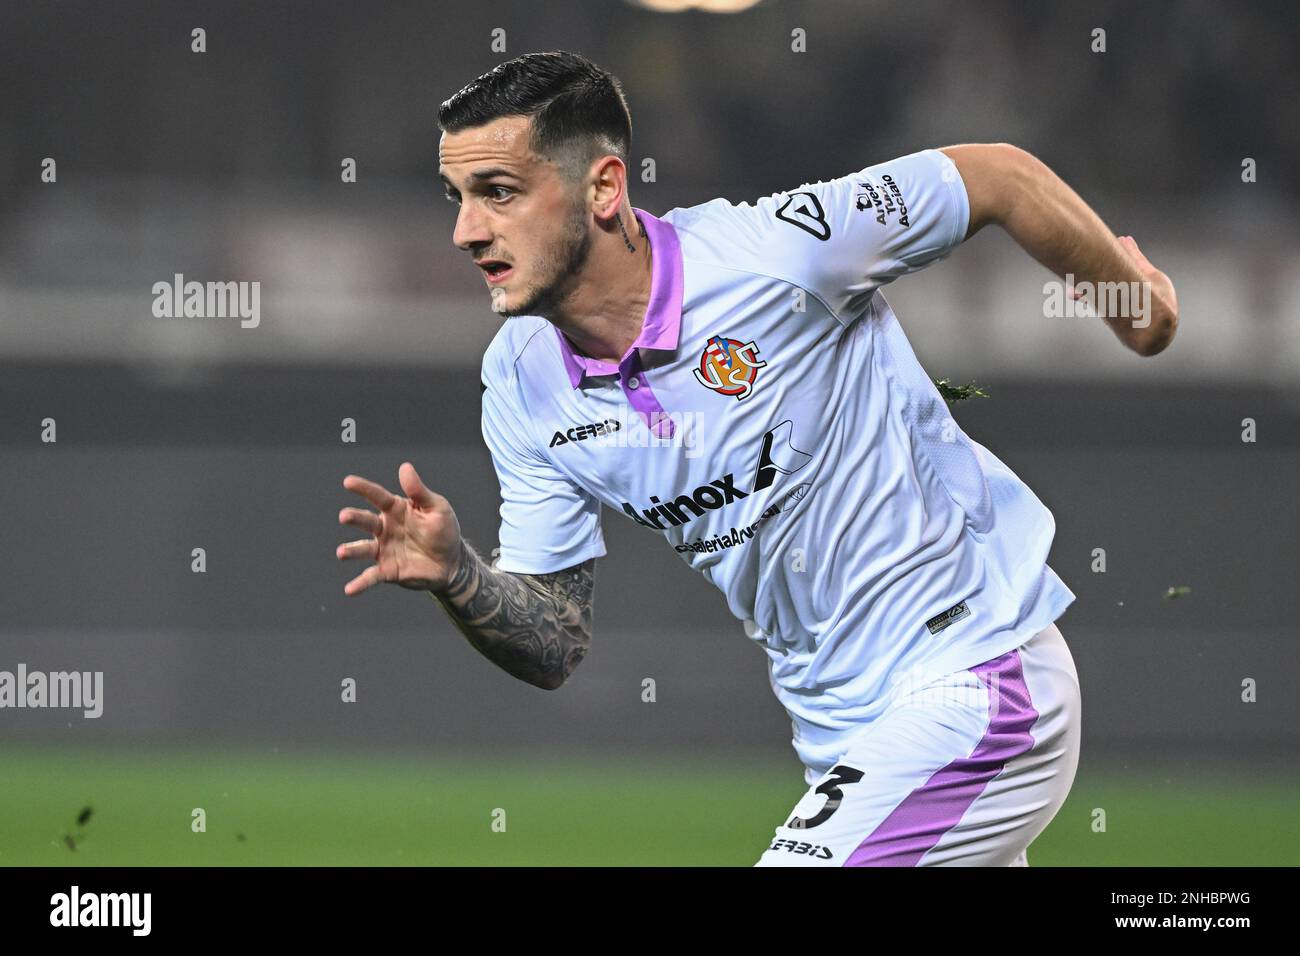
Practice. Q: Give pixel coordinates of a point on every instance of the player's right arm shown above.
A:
(534, 626)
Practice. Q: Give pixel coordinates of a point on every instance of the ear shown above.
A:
(608, 187)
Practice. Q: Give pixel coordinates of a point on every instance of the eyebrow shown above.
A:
(480, 175)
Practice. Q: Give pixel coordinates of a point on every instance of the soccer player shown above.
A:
(731, 378)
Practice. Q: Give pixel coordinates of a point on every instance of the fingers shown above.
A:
(367, 521)
(365, 548)
(366, 579)
(414, 488)
(377, 495)
(1132, 247)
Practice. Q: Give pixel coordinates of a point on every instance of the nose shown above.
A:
(471, 229)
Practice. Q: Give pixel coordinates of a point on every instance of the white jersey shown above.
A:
(772, 423)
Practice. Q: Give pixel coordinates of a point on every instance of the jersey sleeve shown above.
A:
(845, 238)
(548, 523)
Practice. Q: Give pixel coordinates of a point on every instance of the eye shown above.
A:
(452, 198)
(500, 192)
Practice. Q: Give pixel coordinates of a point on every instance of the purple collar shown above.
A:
(663, 316)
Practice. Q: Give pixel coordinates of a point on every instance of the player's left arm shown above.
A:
(1010, 187)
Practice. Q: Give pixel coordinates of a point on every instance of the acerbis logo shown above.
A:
(629, 428)
(804, 209)
(583, 432)
(800, 847)
(776, 457)
(729, 367)
(957, 612)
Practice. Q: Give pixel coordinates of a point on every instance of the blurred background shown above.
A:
(222, 689)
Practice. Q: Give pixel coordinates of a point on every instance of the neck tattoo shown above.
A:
(621, 228)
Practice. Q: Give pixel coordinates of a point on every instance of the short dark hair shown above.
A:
(578, 110)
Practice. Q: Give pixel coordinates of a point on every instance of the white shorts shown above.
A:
(966, 770)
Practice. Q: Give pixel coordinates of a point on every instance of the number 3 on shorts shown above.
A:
(830, 787)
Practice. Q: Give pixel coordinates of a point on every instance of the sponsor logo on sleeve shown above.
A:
(885, 200)
(804, 209)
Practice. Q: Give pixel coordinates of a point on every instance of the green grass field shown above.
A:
(264, 809)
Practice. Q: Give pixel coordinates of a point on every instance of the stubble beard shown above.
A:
(559, 266)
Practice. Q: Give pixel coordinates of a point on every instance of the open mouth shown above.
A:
(494, 269)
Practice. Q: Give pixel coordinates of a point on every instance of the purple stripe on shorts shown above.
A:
(928, 812)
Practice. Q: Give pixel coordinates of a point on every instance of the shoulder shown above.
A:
(805, 221)
(514, 341)
(729, 233)
(785, 235)
(840, 238)
(781, 236)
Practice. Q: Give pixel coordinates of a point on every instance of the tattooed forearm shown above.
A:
(535, 626)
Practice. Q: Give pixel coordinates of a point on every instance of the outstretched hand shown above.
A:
(414, 541)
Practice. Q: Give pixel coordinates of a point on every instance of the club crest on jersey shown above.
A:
(729, 367)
